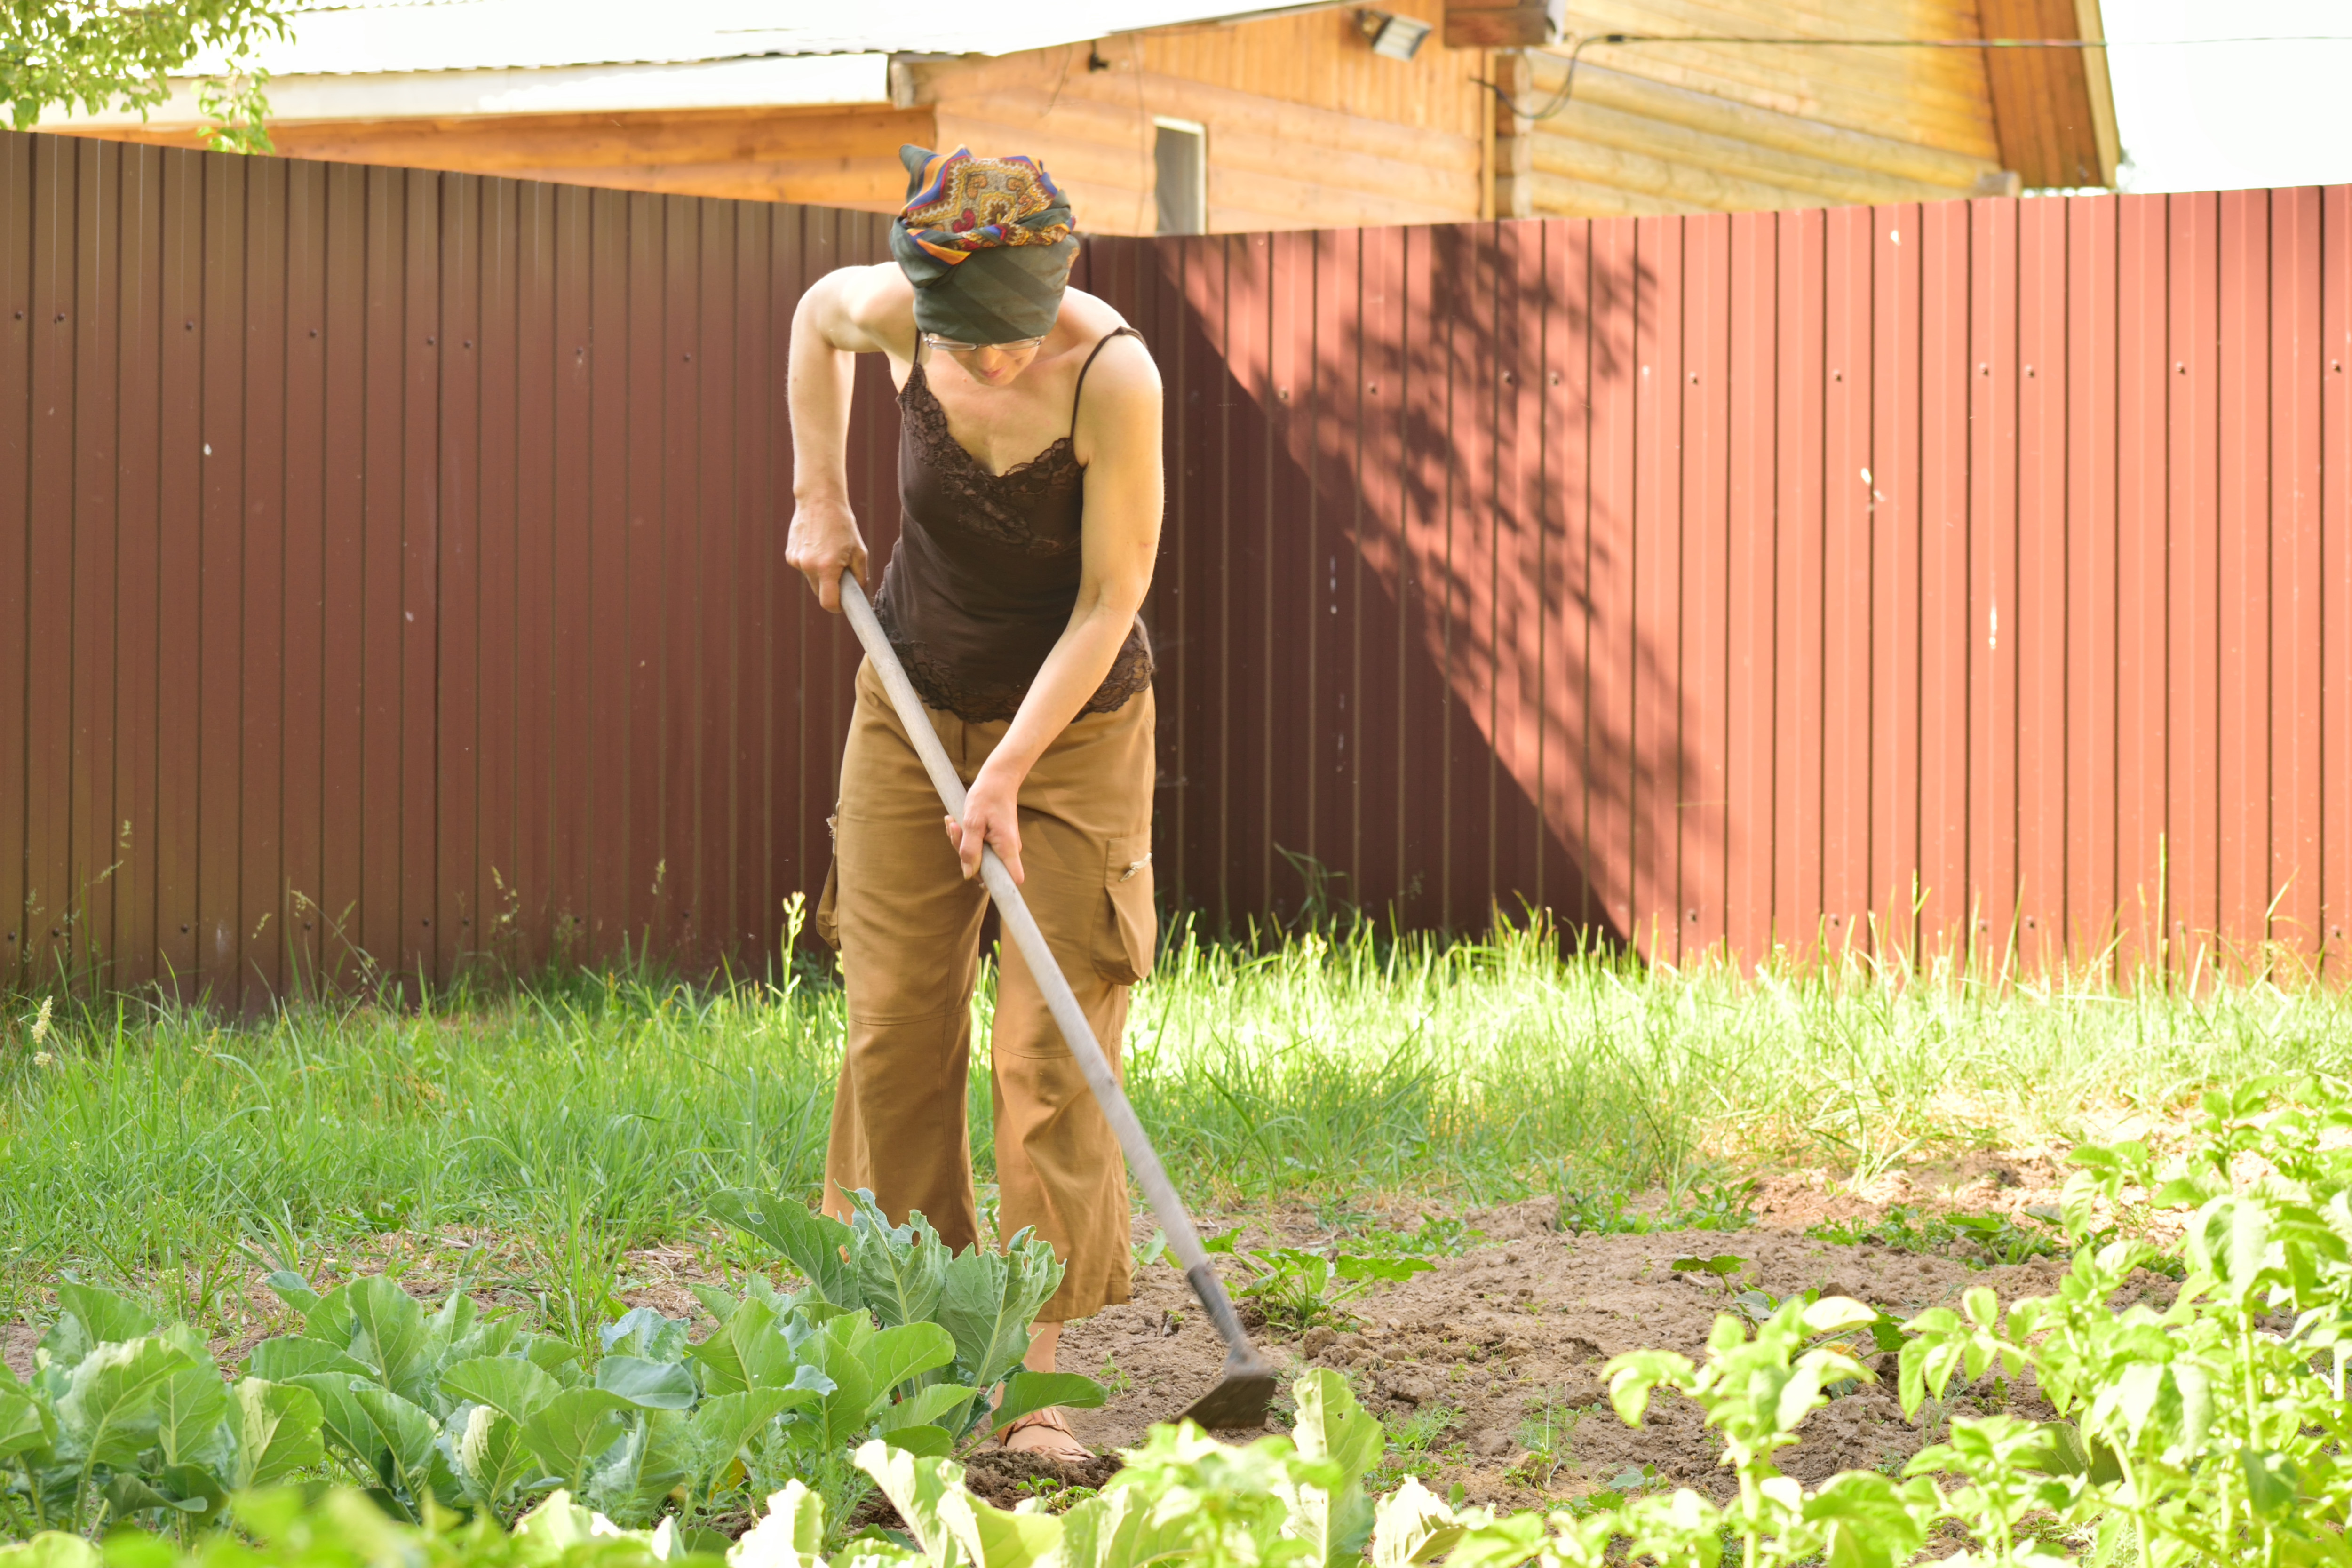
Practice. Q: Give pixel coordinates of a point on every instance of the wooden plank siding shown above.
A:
(1734, 127)
(1306, 127)
(394, 574)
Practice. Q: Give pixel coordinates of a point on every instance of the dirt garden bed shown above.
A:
(1488, 1368)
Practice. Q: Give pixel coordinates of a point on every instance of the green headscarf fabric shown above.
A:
(986, 242)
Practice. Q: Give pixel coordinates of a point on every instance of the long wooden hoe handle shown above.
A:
(1242, 1359)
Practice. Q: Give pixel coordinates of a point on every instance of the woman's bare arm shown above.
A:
(1118, 438)
(832, 326)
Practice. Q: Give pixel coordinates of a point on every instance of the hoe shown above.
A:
(1242, 1392)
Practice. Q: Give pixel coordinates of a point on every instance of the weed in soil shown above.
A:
(1710, 1205)
(1979, 1240)
(1543, 1438)
(1301, 1288)
(1415, 1446)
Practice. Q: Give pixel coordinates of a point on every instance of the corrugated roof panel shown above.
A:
(384, 35)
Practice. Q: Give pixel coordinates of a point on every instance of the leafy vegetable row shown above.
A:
(894, 1339)
(2212, 1430)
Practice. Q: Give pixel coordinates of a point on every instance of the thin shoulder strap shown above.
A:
(1081, 389)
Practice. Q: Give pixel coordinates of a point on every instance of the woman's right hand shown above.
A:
(823, 543)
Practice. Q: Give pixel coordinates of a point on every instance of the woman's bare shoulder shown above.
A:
(1089, 316)
(1125, 364)
(867, 309)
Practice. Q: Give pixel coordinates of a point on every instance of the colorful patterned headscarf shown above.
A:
(986, 242)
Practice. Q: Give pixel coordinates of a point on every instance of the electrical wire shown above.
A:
(1558, 103)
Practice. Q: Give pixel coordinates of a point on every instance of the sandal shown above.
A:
(1068, 1450)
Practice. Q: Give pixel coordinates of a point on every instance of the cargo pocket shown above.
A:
(828, 903)
(1130, 929)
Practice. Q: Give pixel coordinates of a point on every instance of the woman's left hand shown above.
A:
(991, 816)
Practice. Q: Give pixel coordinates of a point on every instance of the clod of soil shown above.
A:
(1005, 1476)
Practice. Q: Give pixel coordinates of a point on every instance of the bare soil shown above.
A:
(1526, 1322)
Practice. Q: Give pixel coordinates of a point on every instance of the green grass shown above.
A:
(592, 1113)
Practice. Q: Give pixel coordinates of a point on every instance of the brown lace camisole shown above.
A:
(986, 571)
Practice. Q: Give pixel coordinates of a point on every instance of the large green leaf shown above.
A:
(455, 1322)
(88, 1317)
(343, 1422)
(389, 1333)
(791, 1534)
(548, 1534)
(1868, 1520)
(293, 1355)
(721, 1427)
(732, 1420)
(494, 1336)
(202, 1489)
(716, 1300)
(1111, 1531)
(895, 1355)
(628, 1481)
(108, 1411)
(559, 1359)
(1026, 1392)
(294, 1291)
(987, 1303)
(641, 1332)
(992, 1538)
(901, 1268)
(1333, 1521)
(129, 1495)
(25, 1425)
(647, 1384)
(844, 1413)
(817, 1245)
(277, 1432)
(491, 1457)
(504, 1382)
(925, 1442)
(50, 1549)
(405, 1430)
(746, 1352)
(1333, 1426)
(1413, 1526)
(190, 1407)
(569, 1430)
(941, 1403)
(916, 1488)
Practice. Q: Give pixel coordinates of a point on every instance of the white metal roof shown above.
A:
(390, 59)
(372, 37)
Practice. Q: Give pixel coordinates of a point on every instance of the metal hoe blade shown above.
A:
(1246, 1387)
(1241, 1396)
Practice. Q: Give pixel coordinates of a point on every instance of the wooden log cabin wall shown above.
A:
(1731, 127)
(1303, 124)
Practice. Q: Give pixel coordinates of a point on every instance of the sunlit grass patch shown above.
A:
(590, 1114)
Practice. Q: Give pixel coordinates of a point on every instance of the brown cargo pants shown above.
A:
(908, 925)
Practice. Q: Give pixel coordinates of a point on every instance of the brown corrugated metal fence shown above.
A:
(1969, 580)
(391, 571)
(394, 570)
